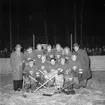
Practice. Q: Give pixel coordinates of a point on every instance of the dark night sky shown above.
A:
(27, 18)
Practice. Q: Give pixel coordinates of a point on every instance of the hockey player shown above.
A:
(68, 77)
(49, 53)
(53, 71)
(44, 47)
(76, 70)
(16, 61)
(44, 68)
(58, 52)
(62, 67)
(30, 72)
(38, 52)
(67, 54)
(38, 64)
(29, 54)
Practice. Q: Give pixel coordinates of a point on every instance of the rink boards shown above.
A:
(97, 63)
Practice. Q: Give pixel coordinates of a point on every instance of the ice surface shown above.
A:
(94, 94)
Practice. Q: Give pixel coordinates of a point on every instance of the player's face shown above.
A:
(18, 49)
(58, 56)
(49, 48)
(30, 50)
(58, 47)
(31, 63)
(74, 57)
(53, 62)
(39, 47)
(66, 51)
(76, 48)
(43, 59)
(62, 61)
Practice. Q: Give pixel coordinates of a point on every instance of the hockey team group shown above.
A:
(48, 66)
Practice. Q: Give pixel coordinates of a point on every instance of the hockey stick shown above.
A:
(45, 82)
(58, 91)
(24, 95)
(37, 81)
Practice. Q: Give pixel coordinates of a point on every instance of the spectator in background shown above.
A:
(84, 48)
(5, 53)
(93, 52)
(96, 51)
(100, 51)
(87, 49)
(89, 52)
(103, 50)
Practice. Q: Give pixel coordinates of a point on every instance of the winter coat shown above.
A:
(16, 62)
(85, 63)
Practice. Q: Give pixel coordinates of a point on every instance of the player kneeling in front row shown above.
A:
(72, 76)
(68, 83)
(51, 72)
(76, 70)
(65, 78)
(30, 77)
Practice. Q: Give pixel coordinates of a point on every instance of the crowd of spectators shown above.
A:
(97, 51)
(5, 53)
(90, 51)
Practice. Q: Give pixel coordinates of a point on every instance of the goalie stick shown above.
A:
(45, 82)
(58, 91)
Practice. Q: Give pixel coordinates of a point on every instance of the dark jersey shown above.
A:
(45, 66)
(75, 66)
(37, 54)
(58, 54)
(50, 55)
(67, 56)
(29, 55)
